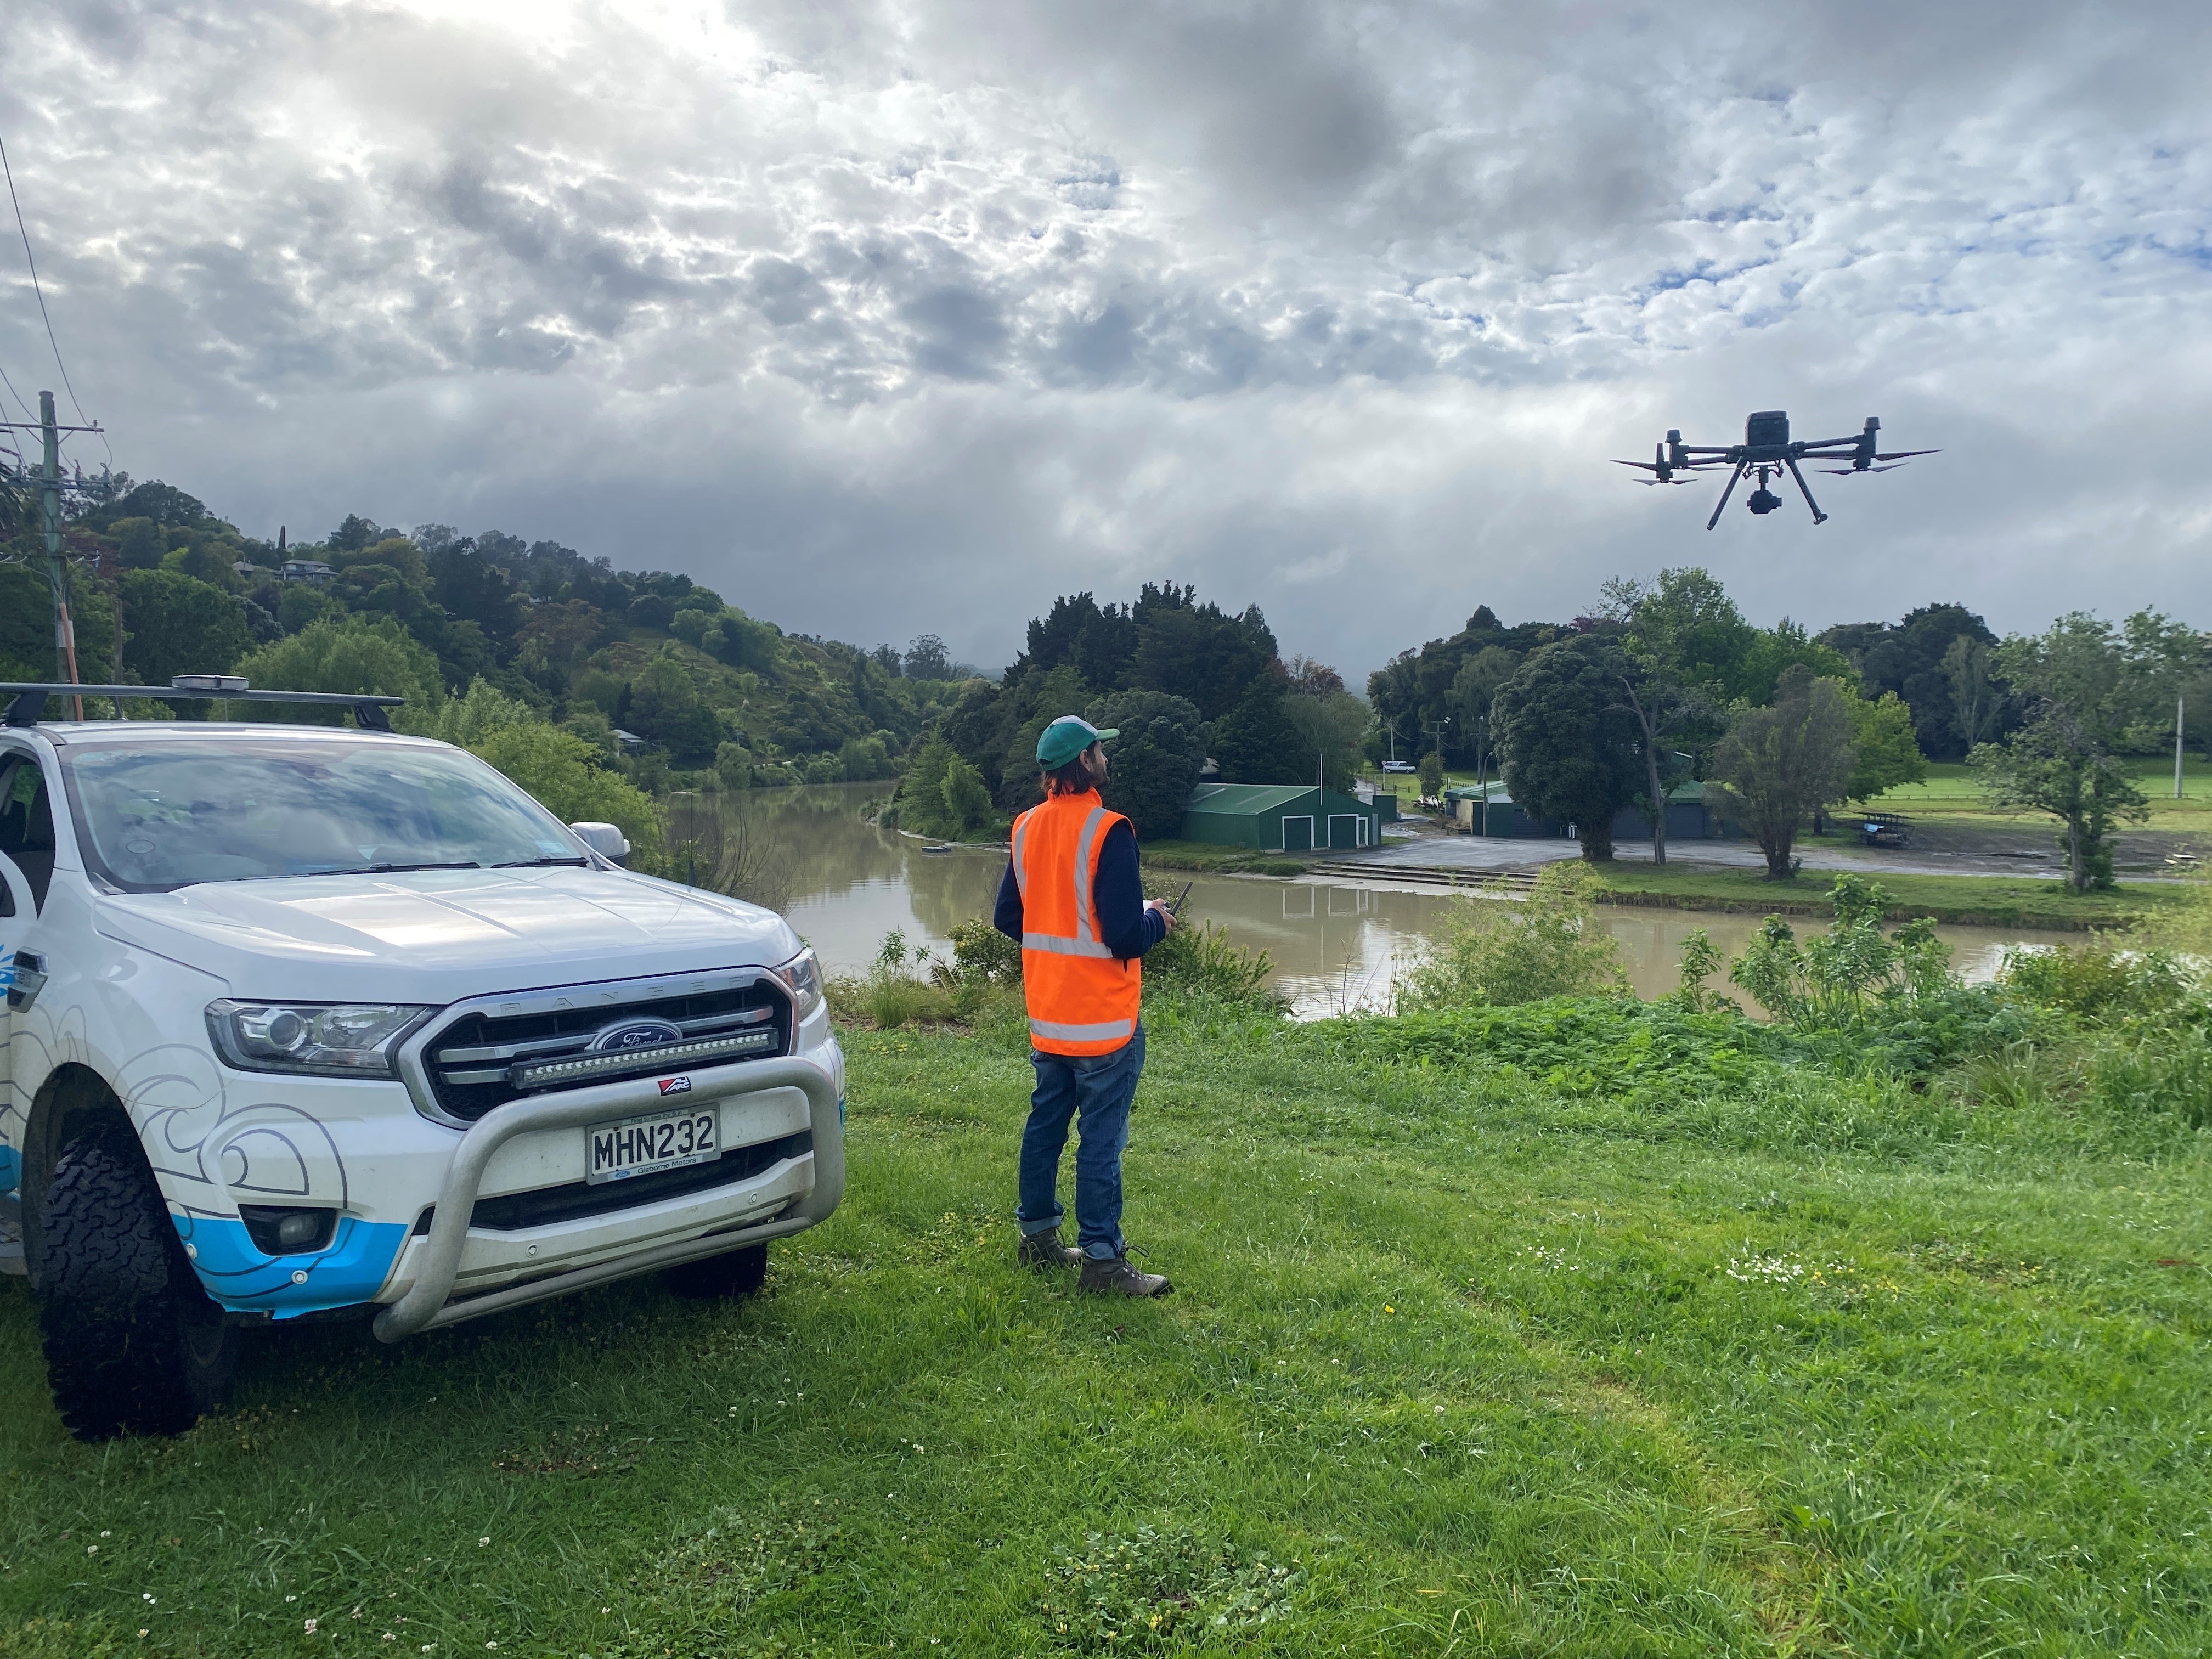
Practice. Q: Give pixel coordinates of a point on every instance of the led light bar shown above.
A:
(661, 1057)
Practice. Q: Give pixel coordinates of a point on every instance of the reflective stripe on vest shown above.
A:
(1082, 998)
(1112, 1030)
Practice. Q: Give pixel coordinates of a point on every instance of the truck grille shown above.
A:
(482, 1060)
(579, 1200)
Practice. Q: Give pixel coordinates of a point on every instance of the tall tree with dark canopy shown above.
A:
(1567, 748)
(1255, 742)
(1780, 764)
(1915, 658)
(1153, 764)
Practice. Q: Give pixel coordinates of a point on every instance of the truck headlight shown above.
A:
(321, 1039)
(802, 977)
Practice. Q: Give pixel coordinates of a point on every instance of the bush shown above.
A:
(2093, 981)
(1201, 962)
(370, 654)
(1833, 981)
(1494, 953)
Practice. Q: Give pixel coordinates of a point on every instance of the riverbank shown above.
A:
(1572, 1327)
(1964, 901)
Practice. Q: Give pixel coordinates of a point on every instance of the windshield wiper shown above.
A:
(532, 863)
(392, 869)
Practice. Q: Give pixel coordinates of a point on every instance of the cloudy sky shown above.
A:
(890, 316)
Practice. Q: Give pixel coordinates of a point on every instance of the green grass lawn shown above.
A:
(1198, 855)
(1950, 791)
(1990, 900)
(1462, 1359)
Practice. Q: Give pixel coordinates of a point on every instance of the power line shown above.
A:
(16, 395)
(23, 230)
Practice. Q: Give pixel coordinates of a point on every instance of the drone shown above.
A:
(1767, 449)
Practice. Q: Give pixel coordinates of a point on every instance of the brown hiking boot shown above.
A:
(1044, 1249)
(1113, 1274)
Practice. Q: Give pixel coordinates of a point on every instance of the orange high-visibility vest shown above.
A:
(1082, 998)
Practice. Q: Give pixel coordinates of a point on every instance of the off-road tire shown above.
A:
(133, 1345)
(732, 1274)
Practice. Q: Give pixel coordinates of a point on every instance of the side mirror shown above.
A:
(604, 839)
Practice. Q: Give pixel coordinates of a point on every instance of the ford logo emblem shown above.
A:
(635, 1034)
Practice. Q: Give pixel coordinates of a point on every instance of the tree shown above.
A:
(2083, 697)
(1663, 712)
(1255, 742)
(967, 802)
(1155, 762)
(1977, 703)
(1686, 625)
(2054, 765)
(1430, 776)
(927, 659)
(175, 624)
(1780, 764)
(1329, 728)
(1475, 688)
(1887, 753)
(1912, 658)
(372, 654)
(1566, 749)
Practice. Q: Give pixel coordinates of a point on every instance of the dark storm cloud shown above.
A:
(915, 313)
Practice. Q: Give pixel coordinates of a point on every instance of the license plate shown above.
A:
(640, 1146)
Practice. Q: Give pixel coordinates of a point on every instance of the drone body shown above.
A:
(1766, 449)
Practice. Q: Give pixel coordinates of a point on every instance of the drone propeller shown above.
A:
(1649, 467)
(1902, 454)
(1852, 471)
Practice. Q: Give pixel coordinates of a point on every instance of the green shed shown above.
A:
(1279, 818)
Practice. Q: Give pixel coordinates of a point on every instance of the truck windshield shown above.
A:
(155, 817)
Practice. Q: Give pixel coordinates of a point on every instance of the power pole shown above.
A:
(51, 484)
(2176, 748)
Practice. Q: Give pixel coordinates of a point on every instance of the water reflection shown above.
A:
(845, 884)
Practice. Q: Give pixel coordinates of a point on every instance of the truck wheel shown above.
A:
(133, 1344)
(735, 1273)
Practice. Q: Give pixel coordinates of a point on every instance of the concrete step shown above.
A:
(1518, 880)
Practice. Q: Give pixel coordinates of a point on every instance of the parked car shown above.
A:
(1398, 766)
(309, 1024)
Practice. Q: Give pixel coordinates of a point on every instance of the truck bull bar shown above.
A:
(426, 1305)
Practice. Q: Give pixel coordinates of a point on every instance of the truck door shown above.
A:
(27, 867)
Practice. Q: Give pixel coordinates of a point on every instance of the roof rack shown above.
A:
(28, 700)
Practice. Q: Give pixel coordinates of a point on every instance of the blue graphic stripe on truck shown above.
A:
(239, 1276)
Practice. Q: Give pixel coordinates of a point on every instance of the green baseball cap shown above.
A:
(1066, 737)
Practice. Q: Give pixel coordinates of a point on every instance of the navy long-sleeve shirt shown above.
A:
(1117, 898)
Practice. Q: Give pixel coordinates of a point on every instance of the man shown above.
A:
(1073, 898)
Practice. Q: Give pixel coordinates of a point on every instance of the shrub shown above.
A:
(2093, 981)
(1833, 981)
(1494, 953)
(1200, 961)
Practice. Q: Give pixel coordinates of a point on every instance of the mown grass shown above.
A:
(1590, 1329)
(1199, 856)
(1951, 793)
(1988, 900)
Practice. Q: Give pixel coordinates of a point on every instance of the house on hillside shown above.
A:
(1279, 818)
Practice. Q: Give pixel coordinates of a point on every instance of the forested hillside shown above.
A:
(161, 585)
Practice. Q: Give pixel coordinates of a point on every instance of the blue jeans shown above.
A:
(1095, 1091)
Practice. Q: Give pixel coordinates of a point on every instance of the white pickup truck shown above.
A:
(306, 1023)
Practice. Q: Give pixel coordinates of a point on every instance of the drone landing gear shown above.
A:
(1818, 517)
(1725, 493)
